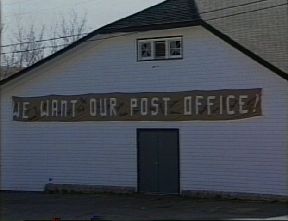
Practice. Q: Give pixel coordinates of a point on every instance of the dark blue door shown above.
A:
(158, 161)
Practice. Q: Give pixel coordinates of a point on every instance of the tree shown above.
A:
(30, 44)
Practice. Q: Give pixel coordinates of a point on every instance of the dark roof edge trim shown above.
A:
(161, 26)
(196, 22)
(50, 57)
(98, 32)
(244, 50)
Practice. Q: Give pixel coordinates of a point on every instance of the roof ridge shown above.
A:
(112, 23)
(187, 15)
(173, 10)
(194, 7)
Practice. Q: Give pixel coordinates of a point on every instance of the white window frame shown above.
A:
(167, 48)
(140, 52)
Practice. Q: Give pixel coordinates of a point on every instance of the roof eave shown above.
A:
(102, 31)
(244, 50)
(161, 26)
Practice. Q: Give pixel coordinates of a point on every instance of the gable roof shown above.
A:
(168, 12)
(183, 13)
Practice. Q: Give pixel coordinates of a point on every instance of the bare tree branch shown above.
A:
(29, 46)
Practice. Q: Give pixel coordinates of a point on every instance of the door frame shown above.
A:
(178, 153)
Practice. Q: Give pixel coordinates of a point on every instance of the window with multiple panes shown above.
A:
(160, 48)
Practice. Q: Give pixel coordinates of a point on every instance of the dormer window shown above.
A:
(160, 48)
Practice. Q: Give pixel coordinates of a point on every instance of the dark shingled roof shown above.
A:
(167, 12)
(258, 28)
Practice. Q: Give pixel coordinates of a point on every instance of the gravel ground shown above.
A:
(43, 206)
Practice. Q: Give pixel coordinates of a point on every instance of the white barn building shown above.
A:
(156, 102)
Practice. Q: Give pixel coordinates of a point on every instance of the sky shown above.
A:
(48, 12)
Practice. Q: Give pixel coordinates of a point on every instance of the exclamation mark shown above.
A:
(256, 103)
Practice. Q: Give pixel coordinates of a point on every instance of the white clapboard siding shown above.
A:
(248, 155)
